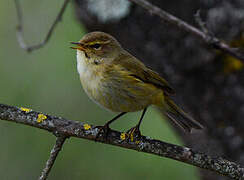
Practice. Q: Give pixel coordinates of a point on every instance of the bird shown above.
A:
(119, 82)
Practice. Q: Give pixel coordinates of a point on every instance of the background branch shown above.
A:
(68, 128)
(19, 33)
(53, 155)
(206, 37)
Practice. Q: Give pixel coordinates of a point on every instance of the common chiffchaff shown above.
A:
(119, 82)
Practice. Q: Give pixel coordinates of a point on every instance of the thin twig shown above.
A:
(212, 41)
(211, 38)
(19, 28)
(69, 128)
(200, 23)
(53, 155)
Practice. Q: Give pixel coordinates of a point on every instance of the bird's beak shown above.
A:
(80, 46)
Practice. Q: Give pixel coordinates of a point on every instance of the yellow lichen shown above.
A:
(123, 136)
(87, 126)
(41, 118)
(137, 142)
(25, 109)
(131, 134)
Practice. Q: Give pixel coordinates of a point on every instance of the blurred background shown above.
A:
(46, 80)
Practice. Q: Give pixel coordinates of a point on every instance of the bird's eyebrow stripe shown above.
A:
(98, 42)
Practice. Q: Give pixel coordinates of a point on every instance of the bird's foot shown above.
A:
(103, 132)
(133, 134)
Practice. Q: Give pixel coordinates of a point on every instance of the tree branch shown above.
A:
(53, 155)
(206, 37)
(69, 128)
(19, 28)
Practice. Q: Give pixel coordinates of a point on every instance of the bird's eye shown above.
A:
(95, 46)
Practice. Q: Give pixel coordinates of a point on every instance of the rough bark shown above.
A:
(64, 128)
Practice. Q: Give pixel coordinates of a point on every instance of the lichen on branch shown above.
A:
(69, 128)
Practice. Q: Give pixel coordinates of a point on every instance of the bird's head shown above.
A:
(98, 45)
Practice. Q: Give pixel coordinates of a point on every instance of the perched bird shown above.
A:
(119, 82)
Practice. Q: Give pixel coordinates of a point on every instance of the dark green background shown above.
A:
(46, 80)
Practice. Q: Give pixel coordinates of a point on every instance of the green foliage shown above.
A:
(46, 80)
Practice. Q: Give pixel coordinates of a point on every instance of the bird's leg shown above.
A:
(134, 132)
(105, 129)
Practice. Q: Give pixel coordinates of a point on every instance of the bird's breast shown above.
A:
(115, 92)
(89, 75)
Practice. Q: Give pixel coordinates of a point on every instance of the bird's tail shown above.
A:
(179, 117)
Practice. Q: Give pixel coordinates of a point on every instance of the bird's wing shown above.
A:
(138, 70)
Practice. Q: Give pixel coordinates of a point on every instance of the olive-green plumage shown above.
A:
(118, 81)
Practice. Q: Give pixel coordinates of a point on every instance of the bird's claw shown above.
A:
(133, 134)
